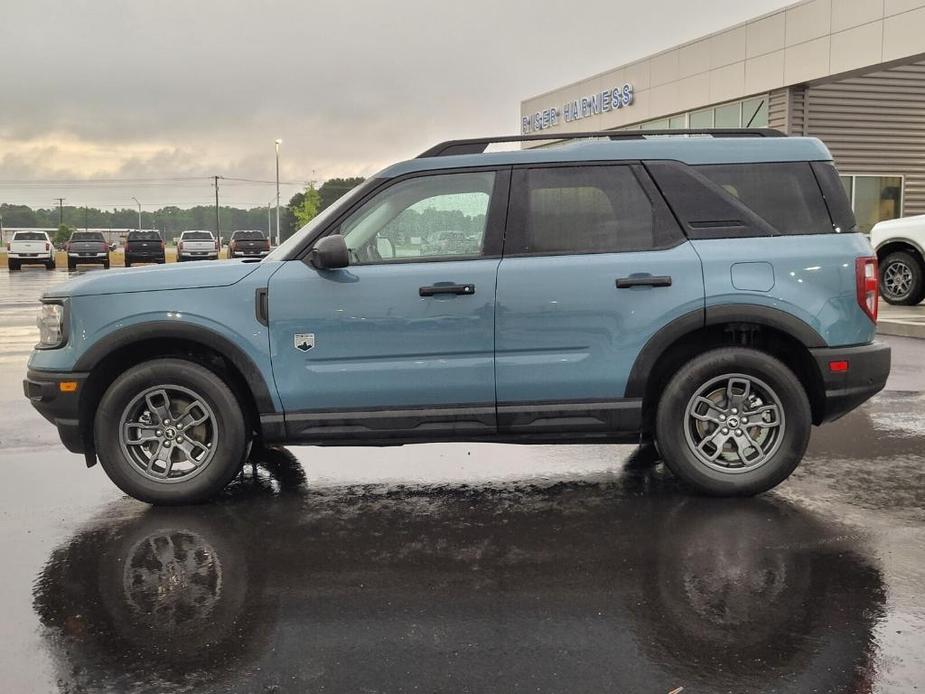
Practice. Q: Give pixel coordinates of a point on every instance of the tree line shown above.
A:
(171, 220)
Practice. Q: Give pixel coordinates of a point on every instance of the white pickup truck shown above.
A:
(197, 245)
(900, 246)
(30, 248)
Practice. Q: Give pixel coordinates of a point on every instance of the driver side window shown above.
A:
(440, 216)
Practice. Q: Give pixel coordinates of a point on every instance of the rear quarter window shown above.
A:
(785, 195)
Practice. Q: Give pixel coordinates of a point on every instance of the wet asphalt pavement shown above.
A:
(478, 568)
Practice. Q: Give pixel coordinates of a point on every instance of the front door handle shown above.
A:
(644, 281)
(435, 289)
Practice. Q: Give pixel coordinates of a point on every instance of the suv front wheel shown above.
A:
(733, 422)
(170, 431)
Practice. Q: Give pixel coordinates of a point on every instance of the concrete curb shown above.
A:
(901, 328)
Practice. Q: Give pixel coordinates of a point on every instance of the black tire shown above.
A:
(106, 265)
(51, 265)
(230, 433)
(909, 270)
(128, 263)
(71, 266)
(677, 431)
(14, 265)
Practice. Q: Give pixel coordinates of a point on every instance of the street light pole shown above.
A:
(269, 223)
(139, 211)
(278, 142)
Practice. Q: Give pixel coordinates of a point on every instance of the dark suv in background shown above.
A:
(248, 244)
(144, 247)
(87, 248)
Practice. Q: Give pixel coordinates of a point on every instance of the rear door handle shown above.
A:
(644, 281)
(435, 289)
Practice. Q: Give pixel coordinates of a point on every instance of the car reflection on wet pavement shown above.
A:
(469, 567)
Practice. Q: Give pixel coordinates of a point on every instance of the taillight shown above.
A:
(162, 245)
(865, 271)
(47, 246)
(179, 245)
(216, 244)
(7, 245)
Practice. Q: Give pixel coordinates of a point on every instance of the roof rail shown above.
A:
(479, 144)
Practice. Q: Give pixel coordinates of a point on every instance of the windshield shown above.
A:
(86, 236)
(247, 236)
(197, 236)
(294, 241)
(144, 236)
(29, 236)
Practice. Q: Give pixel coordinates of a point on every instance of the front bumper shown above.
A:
(58, 407)
(866, 374)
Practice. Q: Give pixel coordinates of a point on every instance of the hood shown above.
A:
(195, 275)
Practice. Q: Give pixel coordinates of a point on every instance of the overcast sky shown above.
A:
(192, 88)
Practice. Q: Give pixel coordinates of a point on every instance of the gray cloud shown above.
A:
(179, 88)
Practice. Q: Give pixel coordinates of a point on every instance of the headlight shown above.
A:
(51, 326)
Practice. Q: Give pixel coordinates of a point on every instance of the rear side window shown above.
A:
(785, 195)
(585, 209)
(197, 235)
(29, 236)
(247, 236)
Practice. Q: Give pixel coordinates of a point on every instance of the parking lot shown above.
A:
(465, 567)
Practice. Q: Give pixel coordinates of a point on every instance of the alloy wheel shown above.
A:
(169, 433)
(897, 280)
(734, 423)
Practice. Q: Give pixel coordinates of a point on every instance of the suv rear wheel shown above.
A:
(902, 279)
(733, 422)
(170, 432)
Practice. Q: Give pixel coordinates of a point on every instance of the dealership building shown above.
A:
(851, 72)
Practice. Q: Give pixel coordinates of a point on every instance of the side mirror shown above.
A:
(330, 253)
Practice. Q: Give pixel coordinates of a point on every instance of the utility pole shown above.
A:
(86, 223)
(278, 142)
(60, 211)
(217, 231)
(139, 211)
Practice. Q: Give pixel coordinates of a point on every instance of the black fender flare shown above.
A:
(669, 334)
(903, 240)
(152, 330)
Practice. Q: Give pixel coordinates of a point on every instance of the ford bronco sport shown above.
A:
(707, 291)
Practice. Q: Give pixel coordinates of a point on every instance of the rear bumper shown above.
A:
(868, 369)
(37, 259)
(59, 408)
(79, 259)
(145, 257)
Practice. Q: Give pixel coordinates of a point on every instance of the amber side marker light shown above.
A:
(838, 366)
(67, 386)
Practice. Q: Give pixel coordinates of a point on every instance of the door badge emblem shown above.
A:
(303, 341)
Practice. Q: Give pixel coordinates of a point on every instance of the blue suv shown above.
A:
(708, 292)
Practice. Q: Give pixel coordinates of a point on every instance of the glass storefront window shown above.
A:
(848, 184)
(702, 119)
(677, 122)
(660, 124)
(876, 198)
(755, 113)
(728, 116)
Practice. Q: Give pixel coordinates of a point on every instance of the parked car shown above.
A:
(30, 248)
(707, 293)
(87, 248)
(197, 245)
(900, 245)
(248, 244)
(144, 247)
